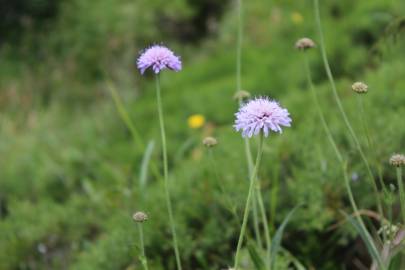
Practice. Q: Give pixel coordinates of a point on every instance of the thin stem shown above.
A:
(143, 255)
(363, 119)
(248, 201)
(369, 139)
(265, 224)
(166, 172)
(249, 160)
(401, 193)
(340, 106)
(239, 47)
(320, 112)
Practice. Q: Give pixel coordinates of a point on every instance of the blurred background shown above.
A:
(71, 175)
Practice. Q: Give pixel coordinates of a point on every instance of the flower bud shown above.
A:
(210, 141)
(140, 217)
(360, 87)
(304, 44)
(397, 160)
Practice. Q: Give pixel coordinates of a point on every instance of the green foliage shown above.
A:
(70, 171)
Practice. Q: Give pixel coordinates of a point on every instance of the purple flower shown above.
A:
(261, 114)
(158, 57)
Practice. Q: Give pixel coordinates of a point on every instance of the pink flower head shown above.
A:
(158, 58)
(261, 114)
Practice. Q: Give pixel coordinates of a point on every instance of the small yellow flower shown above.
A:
(196, 121)
(297, 18)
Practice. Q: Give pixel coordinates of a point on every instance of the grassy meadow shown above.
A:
(80, 144)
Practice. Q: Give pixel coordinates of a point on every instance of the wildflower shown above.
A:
(360, 87)
(304, 44)
(261, 114)
(210, 141)
(241, 94)
(196, 121)
(158, 58)
(140, 217)
(297, 18)
(397, 160)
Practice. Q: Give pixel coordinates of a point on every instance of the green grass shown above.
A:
(69, 169)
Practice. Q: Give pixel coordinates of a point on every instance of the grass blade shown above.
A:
(275, 245)
(143, 173)
(256, 258)
(372, 249)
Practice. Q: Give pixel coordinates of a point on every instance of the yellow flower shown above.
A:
(297, 18)
(196, 121)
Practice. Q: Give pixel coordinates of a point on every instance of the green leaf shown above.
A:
(276, 243)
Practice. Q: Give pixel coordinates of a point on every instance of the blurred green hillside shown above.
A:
(70, 172)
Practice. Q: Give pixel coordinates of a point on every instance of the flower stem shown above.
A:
(166, 172)
(258, 200)
(238, 88)
(249, 160)
(252, 184)
(341, 109)
(265, 225)
(401, 193)
(255, 195)
(239, 47)
(320, 112)
(364, 120)
(143, 255)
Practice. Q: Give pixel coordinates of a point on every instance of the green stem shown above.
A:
(239, 47)
(320, 112)
(249, 160)
(265, 225)
(363, 119)
(248, 201)
(369, 139)
(143, 255)
(166, 172)
(341, 109)
(401, 193)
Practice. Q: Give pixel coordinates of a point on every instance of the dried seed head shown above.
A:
(360, 87)
(397, 160)
(241, 94)
(140, 217)
(304, 44)
(210, 141)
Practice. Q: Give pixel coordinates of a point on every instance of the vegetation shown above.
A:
(72, 173)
